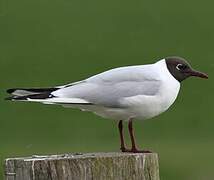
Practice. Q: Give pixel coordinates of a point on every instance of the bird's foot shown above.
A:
(134, 150)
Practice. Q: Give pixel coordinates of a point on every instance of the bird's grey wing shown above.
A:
(110, 87)
(108, 94)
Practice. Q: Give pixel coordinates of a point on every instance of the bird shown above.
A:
(125, 93)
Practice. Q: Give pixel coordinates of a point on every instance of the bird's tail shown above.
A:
(23, 94)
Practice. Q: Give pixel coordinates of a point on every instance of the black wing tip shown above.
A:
(10, 91)
(33, 96)
(38, 90)
(40, 93)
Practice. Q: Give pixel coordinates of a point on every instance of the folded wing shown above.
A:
(106, 89)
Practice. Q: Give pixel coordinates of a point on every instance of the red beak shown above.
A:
(198, 74)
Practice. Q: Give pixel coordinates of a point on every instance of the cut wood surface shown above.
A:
(89, 166)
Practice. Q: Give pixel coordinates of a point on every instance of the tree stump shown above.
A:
(90, 166)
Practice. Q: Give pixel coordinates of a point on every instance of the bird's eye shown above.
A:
(181, 67)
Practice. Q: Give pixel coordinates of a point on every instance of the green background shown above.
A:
(52, 42)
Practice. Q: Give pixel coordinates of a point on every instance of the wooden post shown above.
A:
(96, 166)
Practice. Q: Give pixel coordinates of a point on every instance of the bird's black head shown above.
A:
(181, 69)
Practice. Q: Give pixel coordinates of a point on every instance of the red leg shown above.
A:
(134, 148)
(132, 135)
(122, 146)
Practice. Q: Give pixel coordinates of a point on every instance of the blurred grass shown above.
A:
(46, 43)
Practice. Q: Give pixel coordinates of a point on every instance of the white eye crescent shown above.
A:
(178, 66)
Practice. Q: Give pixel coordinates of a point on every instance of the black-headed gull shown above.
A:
(125, 93)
